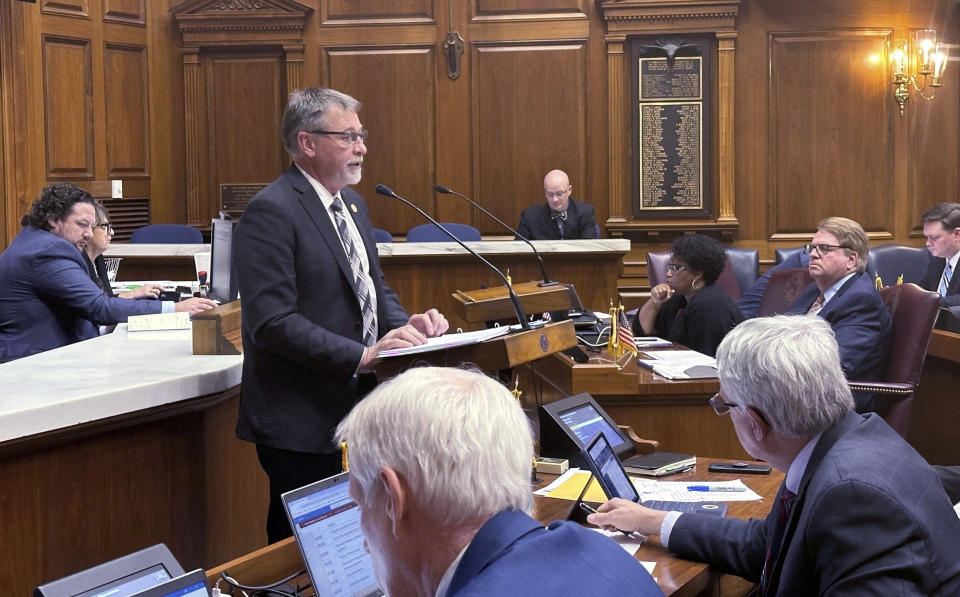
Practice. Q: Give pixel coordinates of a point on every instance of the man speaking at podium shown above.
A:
(316, 307)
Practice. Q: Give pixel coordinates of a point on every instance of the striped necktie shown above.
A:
(359, 276)
(945, 279)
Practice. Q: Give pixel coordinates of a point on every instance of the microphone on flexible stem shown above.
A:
(543, 268)
(521, 317)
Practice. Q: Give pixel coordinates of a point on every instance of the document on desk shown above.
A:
(569, 485)
(679, 364)
(448, 341)
(628, 542)
(159, 321)
(702, 491)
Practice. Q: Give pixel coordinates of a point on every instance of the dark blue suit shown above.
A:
(302, 338)
(513, 554)
(931, 281)
(863, 328)
(581, 222)
(870, 518)
(47, 298)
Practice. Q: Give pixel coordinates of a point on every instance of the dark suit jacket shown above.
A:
(700, 324)
(47, 298)
(869, 519)
(513, 554)
(535, 222)
(931, 281)
(98, 273)
(301, 319)
(863, 327)
(950, 478)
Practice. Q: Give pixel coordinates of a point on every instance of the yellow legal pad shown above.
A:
(571, 488)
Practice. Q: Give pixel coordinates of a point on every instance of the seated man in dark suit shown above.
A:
(941, 226)
(856, 514)
(440, 468)
(950, 478)
(847, 298)
(561, 217)
(47, 298)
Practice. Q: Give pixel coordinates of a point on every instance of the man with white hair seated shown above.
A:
(859, 513)
(439, 462)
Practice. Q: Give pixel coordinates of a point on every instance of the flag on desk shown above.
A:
(625, 332)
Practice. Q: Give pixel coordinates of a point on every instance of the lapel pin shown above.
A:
(353, 206)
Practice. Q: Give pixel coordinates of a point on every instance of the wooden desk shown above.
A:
(677, 577)
(674, 412)
(933, 427)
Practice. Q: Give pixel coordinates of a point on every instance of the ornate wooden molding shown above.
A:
(623, 18)
(250, 22)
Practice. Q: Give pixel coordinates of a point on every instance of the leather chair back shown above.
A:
(914, 311)
(170, 234)
(781, 255)
(746, 267)
(892, 261)
(782, 290)
(428, 233)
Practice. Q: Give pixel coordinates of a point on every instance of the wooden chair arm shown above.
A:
(643, 446)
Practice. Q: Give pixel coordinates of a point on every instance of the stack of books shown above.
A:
(659, 464)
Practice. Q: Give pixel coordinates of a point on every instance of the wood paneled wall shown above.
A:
(94, 90)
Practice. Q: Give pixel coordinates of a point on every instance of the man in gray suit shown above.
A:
(859, 513)
(316, 307)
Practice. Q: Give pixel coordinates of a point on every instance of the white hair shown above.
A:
(458, 437)
(788, 368)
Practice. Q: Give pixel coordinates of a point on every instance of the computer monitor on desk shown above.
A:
(569, 424)
(223, 282)
(121, 577)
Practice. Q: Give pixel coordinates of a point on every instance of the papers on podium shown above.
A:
(680, 364)
(448, 341)
(158, 322)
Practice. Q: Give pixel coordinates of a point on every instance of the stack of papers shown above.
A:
(680, 364)
(447, 341)
(659, 464)
(159, 321)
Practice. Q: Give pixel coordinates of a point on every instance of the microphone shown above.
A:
(543, 268)
(521, 316)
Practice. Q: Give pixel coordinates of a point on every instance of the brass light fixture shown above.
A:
(917, 64)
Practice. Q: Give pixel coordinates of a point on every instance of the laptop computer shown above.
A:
(191, 584)
(613, 479)
(326, 525)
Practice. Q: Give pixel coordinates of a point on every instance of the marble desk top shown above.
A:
(405, 249)
(103, 377)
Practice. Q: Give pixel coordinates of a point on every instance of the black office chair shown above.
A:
(892, 261)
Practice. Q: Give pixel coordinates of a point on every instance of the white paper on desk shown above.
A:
(159, 321)
(557, 482)
(629, 544)
(680, 364)
(653, 342)
(448, 341)
(676, 491)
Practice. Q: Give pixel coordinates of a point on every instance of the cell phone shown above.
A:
(739, 466)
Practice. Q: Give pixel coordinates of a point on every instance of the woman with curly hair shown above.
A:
(689, 308)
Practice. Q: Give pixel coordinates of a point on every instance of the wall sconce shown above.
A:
(917, 63)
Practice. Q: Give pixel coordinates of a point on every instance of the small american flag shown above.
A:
(625, 332)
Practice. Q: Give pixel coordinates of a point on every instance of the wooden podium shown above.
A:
(502, 352)
(493, 304)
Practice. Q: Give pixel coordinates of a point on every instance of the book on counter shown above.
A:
(659, 464)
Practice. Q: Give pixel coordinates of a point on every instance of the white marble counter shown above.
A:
(404, 249)
(154, 250)
(506, 247)
(106, 376)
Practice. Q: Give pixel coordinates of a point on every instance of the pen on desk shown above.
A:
(711, 488)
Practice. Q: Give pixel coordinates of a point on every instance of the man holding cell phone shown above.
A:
(860, 512)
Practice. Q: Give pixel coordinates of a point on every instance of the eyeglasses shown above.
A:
(346, 137)
(107, 227)
(676, 267)
(719, 406)
(823, 248)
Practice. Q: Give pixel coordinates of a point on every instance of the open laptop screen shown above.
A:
(326, 523)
